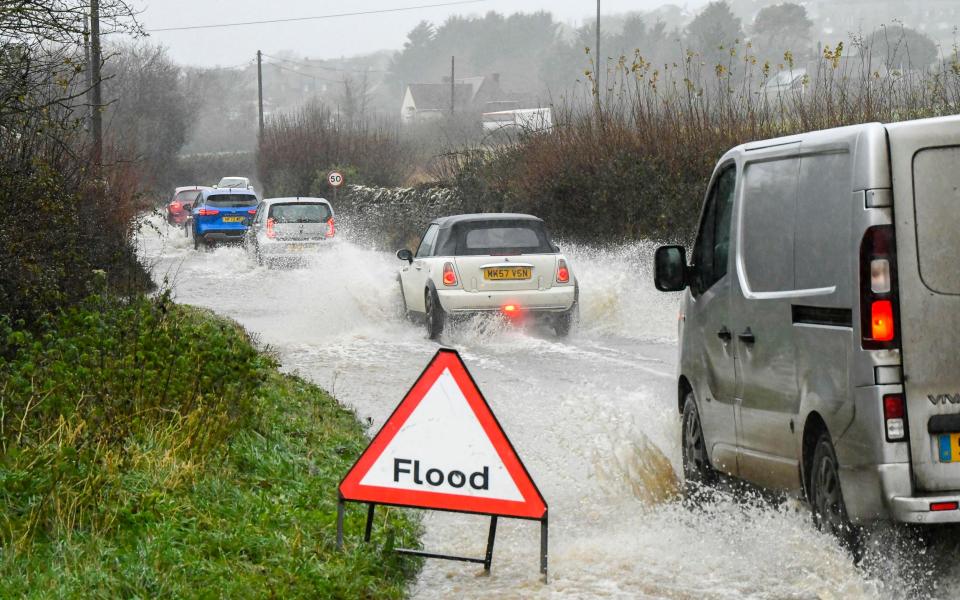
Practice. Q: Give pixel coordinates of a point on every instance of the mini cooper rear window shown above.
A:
(502, 238)
(300, 213)
(232, 200)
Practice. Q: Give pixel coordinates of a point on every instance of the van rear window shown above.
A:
(232, 200)
(936, 183)
(300, 213)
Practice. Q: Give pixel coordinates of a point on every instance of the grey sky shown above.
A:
(328, 38)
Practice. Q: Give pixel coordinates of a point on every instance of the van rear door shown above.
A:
(925, 162)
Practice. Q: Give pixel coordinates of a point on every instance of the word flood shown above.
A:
(478, 480)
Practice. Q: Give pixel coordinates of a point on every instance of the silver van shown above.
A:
(820, 326)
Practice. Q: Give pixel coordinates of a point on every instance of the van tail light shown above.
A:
(331, 228)
(270, 232)
(895, 417)
(563, 273)
(449, 275)
(879, 322)
(208, 212)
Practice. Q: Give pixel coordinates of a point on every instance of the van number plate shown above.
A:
(949, 447)
(506, 273)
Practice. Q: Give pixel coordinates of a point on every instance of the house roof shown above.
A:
(436, 96)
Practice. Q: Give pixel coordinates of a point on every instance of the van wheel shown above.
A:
(697, 471)
(826, 497)
(435, 315)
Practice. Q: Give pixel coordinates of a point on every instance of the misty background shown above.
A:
(359, 67)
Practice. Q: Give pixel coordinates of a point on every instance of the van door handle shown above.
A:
(724, 334)
(747, 337)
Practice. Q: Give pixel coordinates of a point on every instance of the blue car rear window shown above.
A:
(232, 200)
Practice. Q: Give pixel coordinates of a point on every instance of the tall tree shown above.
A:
(899, 47)
(781, 29)
(713, 32)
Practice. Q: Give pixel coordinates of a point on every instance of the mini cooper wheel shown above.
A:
(826, 496)
(697, 471)
(434, 314)
(566, 320)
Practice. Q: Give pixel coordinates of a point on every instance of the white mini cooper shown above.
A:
(495, 262)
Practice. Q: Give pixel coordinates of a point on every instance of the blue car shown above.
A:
(222, 215)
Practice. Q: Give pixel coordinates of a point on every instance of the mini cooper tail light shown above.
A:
(878, 289)
(449, 275)
(563, 273)
(895, 417)
(270, 232)
(331, 228)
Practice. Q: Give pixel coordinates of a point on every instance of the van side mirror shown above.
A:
(404, 254)
(670, 266)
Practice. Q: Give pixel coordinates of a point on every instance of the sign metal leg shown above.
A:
(339, 523)
(491, 536)
(543, 547)
(369, 528)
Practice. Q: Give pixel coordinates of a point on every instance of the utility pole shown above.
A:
(597, 76)
(96, 98)
(260, 89)
(452, 86)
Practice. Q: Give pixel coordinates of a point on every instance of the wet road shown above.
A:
(592, 416)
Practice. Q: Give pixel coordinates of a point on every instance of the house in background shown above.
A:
(471, 95)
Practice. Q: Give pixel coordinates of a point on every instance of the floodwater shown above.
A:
(592, 416)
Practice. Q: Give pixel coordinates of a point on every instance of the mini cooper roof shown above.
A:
(304, 199)
(448, 236)
(448, 222)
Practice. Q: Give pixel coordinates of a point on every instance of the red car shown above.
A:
(178, 209)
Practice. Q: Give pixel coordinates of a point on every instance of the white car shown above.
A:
(234, 182)
(497, 262)
(286, 229)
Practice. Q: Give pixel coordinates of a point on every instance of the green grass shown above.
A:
(226, 490)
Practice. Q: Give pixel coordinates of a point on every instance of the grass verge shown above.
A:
(148, 450)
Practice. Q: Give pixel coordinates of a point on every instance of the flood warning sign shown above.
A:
(442, 448)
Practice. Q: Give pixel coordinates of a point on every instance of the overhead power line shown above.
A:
(316, 18)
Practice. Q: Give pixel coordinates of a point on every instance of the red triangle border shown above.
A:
(533, 505)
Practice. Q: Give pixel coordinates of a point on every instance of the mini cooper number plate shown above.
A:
(233, 219)
(949, 447)
(507, 273)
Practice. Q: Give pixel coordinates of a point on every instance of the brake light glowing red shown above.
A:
(881, 321)
(510, 308)
(449, 276)
(270, 232)
(208, 212)
(937, 506)
(563, 273)
(331, 229)
(878, 289)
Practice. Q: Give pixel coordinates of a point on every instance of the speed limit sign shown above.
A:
(335, 179)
